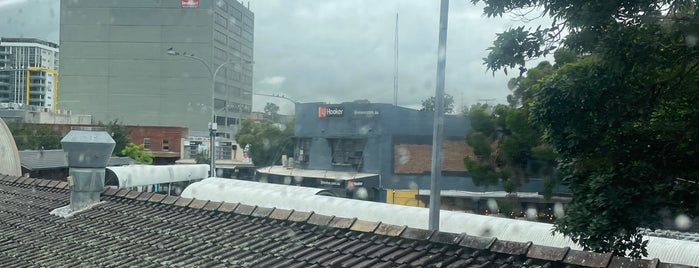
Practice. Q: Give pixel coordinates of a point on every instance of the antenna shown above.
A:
(395, 66)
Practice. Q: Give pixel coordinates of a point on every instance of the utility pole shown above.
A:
(436, 174)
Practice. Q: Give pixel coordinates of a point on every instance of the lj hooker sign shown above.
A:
(330, 111)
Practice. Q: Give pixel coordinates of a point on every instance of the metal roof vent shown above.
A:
(88, 153)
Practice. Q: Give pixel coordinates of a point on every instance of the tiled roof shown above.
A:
(132, 228)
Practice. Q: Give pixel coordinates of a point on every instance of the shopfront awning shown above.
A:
(314, 173)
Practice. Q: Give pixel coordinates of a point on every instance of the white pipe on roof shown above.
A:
(290, 197)
(140, 175)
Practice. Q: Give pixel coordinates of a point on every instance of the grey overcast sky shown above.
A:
(335, 51)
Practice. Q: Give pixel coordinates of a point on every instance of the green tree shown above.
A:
(619, 110)
(34, 137)
(272, 112)
(119, 133)
(268, 142)
(136, 152)
(429, 104)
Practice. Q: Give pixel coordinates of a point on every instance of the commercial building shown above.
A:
(115, 62)
(372, 146)
(28, 73)
(383, 152)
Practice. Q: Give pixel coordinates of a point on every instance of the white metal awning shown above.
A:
(314, 173)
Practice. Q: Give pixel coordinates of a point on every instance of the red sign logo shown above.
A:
(189, 3)
(333, 111)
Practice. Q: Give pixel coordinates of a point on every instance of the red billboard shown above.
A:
(189, 3)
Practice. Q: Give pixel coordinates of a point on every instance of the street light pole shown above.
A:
(213, 125)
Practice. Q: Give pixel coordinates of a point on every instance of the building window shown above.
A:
(302, 152)
(191, 148)
(146, 143)
(347, 152)
(166, 145)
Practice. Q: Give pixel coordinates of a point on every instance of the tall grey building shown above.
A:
(23, 59)
(115, 62)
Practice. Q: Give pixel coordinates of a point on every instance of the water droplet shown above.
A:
(558, 210)
(298, 179)
(683, 222)
(531, 214)
(691, 40)
(493, 205)
(403, 155)
(361, 193)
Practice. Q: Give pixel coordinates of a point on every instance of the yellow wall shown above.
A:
(403, 197)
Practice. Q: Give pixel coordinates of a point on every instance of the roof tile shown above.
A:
(52, 184)
(41, 182)
(629, 263)
(168, 200)
(262, 212)
(121, 193)
(477, 242)
(364, 226)
(211, 206)
(30, 181)
(110, 191)
(144, 196)
(197, 203)
(510, 247)
(321, 220)
(62, 185)
(416, 234)
(157, 198)
(589, 259)
(20, 180)
(389, 229)
(183, 202)
(341, 223)
(243, 209)
(10, 179)
(280, 214)
(227, 207)
(132, 194)
(299, 216)
(547, 253)
(446, 238)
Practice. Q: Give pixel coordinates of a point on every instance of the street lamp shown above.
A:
(212, 124)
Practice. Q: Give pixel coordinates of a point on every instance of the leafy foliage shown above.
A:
(429, 104)
(34, 137)
(120, 134)
(272, 112)
(136, 152)
(618, 108)
(267, 141)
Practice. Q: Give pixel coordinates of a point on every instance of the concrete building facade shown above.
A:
(115, 63)
(28, 73)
